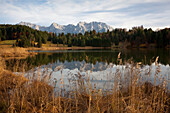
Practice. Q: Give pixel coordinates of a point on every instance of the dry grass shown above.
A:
(7, 42)
(65, 48)
(50, 44)
(131, 95)
(16, 52)
(5, 46)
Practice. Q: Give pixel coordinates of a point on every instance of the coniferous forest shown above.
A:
(135, 37)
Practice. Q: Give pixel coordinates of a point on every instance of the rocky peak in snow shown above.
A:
(57, 26)
(26, 24)
(34, 26)
(81, 23)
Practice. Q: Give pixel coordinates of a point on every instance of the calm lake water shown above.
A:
(72, 59)
(100, 63)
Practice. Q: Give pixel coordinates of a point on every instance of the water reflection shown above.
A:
(103, 78)
(101, 67)
(72, 59)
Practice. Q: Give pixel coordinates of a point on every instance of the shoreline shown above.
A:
(22, 53)
(65, 48)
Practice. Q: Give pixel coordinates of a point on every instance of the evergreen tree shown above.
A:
(69, 42)
(83, 43)
(39, 42)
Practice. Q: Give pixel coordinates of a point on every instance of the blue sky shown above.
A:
(116, 13)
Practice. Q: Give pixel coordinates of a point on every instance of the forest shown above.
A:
(133, 38)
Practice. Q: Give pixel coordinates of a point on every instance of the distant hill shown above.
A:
(81, 27)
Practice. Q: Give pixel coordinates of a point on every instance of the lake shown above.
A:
(99, 66)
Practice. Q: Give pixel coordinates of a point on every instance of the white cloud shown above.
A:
(120, 13)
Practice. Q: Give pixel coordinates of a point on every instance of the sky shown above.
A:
(116, 13)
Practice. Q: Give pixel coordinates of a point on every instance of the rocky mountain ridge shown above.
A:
(81, 27)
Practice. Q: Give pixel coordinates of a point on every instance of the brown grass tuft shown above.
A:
(16, 52)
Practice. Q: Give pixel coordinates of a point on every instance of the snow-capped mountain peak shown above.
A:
(26, 24)
(57, 26)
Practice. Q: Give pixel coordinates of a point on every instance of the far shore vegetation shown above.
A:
(137, 37)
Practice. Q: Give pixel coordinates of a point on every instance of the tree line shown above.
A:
(135, 37)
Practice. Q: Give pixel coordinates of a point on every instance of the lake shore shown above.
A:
(9, 52)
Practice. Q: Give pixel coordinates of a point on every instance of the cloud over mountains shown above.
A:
(120, 13)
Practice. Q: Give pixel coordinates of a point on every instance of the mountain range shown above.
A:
(81, 27)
